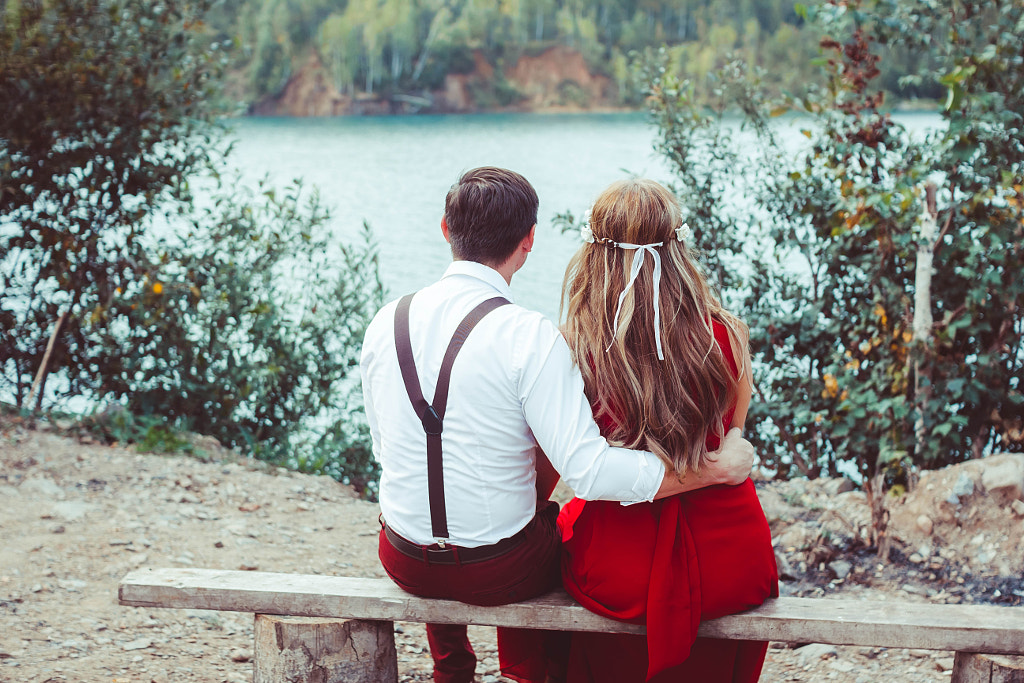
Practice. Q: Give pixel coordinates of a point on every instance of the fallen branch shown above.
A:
(38, 383)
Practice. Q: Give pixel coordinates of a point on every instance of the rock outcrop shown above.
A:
(557, 79)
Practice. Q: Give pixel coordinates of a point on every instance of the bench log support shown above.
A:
(970, 667)
(318, 650)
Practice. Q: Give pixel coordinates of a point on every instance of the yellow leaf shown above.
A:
(831, 385)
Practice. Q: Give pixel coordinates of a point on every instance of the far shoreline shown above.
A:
(908, 108)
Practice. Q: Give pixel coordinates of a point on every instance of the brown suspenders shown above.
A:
(432, 414)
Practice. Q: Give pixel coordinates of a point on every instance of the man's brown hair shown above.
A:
(489, 211)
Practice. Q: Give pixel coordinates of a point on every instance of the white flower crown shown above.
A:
(682, 232)
(587, 232)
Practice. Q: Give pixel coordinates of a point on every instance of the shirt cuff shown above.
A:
(648, 480)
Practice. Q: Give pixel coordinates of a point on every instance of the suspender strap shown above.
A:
(405, 361)
(432, 415)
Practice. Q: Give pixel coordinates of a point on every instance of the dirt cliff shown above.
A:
(555, 80)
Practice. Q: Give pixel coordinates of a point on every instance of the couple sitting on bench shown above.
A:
(666, 528)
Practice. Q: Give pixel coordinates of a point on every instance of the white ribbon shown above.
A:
(638, 262)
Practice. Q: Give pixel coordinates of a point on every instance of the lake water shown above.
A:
(394, 172)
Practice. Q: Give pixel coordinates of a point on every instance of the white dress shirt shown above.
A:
(513, 386)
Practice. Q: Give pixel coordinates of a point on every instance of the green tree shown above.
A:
(703, 155)
(339, 47)
(273, 51)
(412, 45)
(871, 200)
(245, 325)
(881, 285)
(106, 115)
(238, 316)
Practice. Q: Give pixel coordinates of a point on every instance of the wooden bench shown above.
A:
(342, 629)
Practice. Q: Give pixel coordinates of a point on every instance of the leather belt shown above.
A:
(435, 554)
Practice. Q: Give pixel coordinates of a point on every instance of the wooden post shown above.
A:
(970, 667)
(318, 650)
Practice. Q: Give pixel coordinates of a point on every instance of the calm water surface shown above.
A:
(394, 173)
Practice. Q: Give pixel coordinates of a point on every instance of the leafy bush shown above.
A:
(879, 272)
(107, 114)
(488, 93)
(246, 325)
(149, 433)
(506, 92)
(240, 317)
(572, 93)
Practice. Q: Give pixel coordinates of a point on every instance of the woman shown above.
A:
(666, 369)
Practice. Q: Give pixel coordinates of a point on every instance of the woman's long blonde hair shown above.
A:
(667, 407)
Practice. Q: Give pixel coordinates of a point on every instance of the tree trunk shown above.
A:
(969, 667)
(875, 490)
(922, 326)
(435, 26)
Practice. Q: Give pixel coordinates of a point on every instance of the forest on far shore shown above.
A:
(387, 48)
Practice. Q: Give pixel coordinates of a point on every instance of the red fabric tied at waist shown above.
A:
(670, 563)
(673, 594)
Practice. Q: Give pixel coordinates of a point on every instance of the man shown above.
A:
(464, 515)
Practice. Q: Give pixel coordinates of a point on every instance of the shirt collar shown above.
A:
(483, 273)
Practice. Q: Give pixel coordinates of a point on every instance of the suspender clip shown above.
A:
(431, 421)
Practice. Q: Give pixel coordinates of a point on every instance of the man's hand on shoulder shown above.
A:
(731, 463)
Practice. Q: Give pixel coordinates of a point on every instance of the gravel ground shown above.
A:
(75, 517)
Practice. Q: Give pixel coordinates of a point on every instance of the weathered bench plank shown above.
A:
(344, 597)
(963, 628)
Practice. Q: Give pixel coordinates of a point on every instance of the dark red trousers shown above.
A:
(528, 570)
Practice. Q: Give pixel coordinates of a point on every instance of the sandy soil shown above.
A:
(74, 518)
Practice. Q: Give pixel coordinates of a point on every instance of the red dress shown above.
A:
(669, 564)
